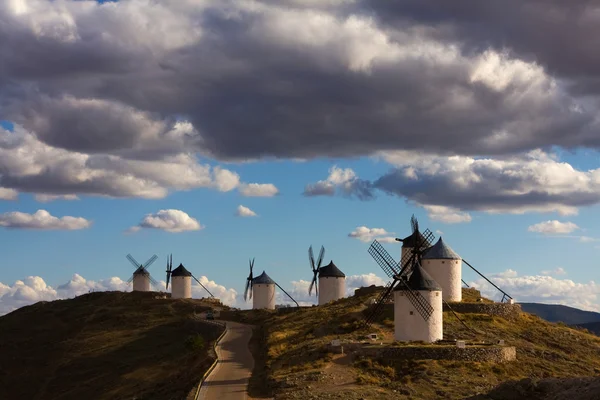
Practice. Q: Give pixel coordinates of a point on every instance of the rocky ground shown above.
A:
(545, 389)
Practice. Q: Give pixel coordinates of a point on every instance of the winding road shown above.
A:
(229, 379)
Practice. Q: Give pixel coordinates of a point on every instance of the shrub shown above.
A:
(195, 342)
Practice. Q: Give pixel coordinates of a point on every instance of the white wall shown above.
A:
(448, 274)
(413, 327)
(263, 296)
(181, 287)
(331, 288)
(141, 283)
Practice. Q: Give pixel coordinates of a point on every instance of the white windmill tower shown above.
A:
(332, 282)
(141, 277)
(181, 286)
(418, 313)
(445, 267)
(409, 323)
(262, 290)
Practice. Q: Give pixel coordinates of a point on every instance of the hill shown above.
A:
(110, 345)
(299, 363)
(560, 313)
(593, 327)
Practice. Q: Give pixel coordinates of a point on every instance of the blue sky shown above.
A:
(321, 119)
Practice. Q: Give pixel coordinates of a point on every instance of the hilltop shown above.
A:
(104, 345)
(300, 364)
(560, 313)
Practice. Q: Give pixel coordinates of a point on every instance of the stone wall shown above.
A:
(504, 310)
(496, 354)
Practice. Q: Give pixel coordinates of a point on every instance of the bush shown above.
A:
(195, 342)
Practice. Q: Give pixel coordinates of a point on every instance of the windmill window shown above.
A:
(443, 262)
(411, 313)
(437, 294)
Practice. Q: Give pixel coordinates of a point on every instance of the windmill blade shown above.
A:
(246, 290)
(130, 279)
(504, 294)
(150, 261)
(383, 258)
(196, 279)
(314, 284)
(133, 261)
(427, 240)
(379, 302)
(288, 295)
(251, 266)
(422, 306)
(466, 284)
(152, 280)
(414, 224)
(321, 255)
(168, 274)
(311, 258)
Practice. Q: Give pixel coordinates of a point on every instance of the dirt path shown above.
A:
(229, 379)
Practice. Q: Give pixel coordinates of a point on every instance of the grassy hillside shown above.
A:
(560, 313)
(299, 365)
(593, 327)
(109, 345)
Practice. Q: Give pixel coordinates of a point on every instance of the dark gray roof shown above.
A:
(420, 280)
(141, 271)
(331, 270)
(409, 241)
(263, 279)
(181, 271)
(440, 251)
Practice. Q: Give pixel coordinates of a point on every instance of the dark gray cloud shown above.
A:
(448, 186)
(295, 80)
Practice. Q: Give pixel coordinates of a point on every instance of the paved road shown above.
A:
(229, 379)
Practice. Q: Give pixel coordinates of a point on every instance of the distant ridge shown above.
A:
(560, 313)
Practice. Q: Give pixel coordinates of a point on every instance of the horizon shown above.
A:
(221, 131)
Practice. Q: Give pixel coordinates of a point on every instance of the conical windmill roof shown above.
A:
(420, 280)
(410, 241)
(181, 271)
(331, 270)
(141, 271)
(440, 251)
(263, 279)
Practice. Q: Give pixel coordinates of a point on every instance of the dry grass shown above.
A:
(295, 344)
(110, 345)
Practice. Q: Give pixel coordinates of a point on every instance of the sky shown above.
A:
(221, 130)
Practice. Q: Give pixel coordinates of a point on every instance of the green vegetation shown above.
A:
(110, 345)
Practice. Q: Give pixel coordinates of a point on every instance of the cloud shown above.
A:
(447, 215)
(42, 220)
(367, 235)
(542, 289)
(532, 182)
(555, 272)
(296, 79)
(258, 190)
(33, 289)
(342, 181)
(173, 221)
(45, 198)
(8, 194)
(553, 227)
(244, 212)
(29, 165)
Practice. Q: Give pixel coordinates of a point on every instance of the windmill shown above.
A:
(181, 287)
(311, 260)
(262, 290)
(400, 272)
(141, 277)
(331, 284)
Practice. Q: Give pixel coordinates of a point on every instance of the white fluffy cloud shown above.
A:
(8, 194)
(554, 272)
(243, 211)
(553, 227)
(258, 190)
(42, 220)
(46, 198)
(367, 235)
(173, 221)
(447, 215)
(33, 289)
(342, 181)
(542, 289)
